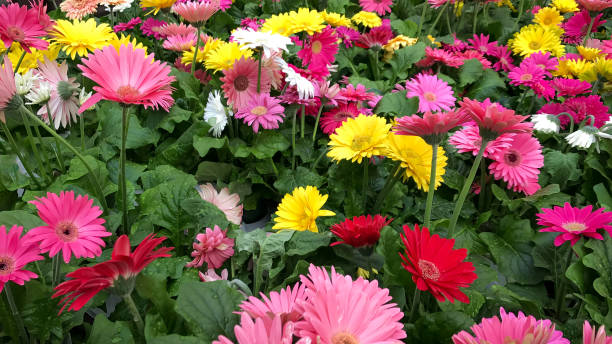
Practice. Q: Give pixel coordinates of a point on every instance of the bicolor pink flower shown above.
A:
(285, 304)
(21, 24)
(151, 27)
(128, 25)
(590, 336)
(63, 102)
(240, 82)
(227, 202)
(136, 78)
(381, 7)
(197, 11)
(494, 118)
(16, 252)
(180, 42)
(333, 119)
(570, 87)
(173, 29)
(320, 49)
(251, 23)
(526, 74)
(573, 223)
(481, 43)
(73, 226)
(432, 127)
(434, 94)
(262, 110)
(213, 248)
(8, 90)
(468, 139)
(347, 35)
(519, 163)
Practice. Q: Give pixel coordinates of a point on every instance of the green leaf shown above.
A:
(20, 218)
(269, 143)
(273, 246)
(487, 86)
(562, 167)
(470, 71)
(337, 5)
(204, 214)
(204, 144)
(289, 180)
(175, 116)
(208, 308)
(178, 152)
(210, 171)
(154, 326)
(603, 196)
(389, 246)
(239, 148)
(516, 264)
(305, 242)
(110, 114)
(105, 331)
(174, 339)
(404, 27)
(600, 260)
(397, 103)
(187, 83)
(79, 174)
(161, 174)
(405, 57)
(10, 176)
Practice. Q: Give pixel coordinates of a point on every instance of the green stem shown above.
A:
(195, 53)
(122, 176)
(425, 6)
(135, 314)
(112, 17)
(82, 129)
(364, 185)
(13, 144)
(19, 62)
(392, 178)
(475, 22)
(40, 273)
(70, 147)
(303, 121)
(37, 156)
(316, 126)
(466, 187)
(373, 55)
(520, 14)
(15, 312)
(590, 27)
(432, 185)
(431, 28)
(293, 140)
(259, 72)
(415, 304)
(560, 297)
(448, 24)
(483, 181)
(314, 164)
(55, 267)
(273, 166)
(41, 143)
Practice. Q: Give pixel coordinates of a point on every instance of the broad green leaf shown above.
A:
(187, 83)
(289, 180)
(562, 167)
(204, 144)
(405, 27)
(337, 5)
(110, 114)
(405, 57)
(305, 242)
(208, 308)
(488, 86)
(603, 196)
(174, 339)
(20, 218)
(211, 171)
(105, 331)
(161, 174)
(271, 247)
(389, 246)
(10, 176)
(204, 214)
(600, 260)
(175, 116)
(79, 175)
(516, 264)
(179, 152)
(397, 104)
(239, 148)
(154, 326)
(269, 143)
(470, 71)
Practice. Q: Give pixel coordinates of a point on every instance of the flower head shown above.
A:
(360, 231)
(468, 139)
(283, 304)
(570, 87)
(262, 110)
(433, 93)
(198, 11)
(210, 275)
(347, 35)
(533, 39)
(270, 42)
(527, 74)
(493, 119)
(576, 26)
(63, 101)
(265, 330)
(595, 5)
(81, 37)
(432, 127)
(215, 113)
(8, 89)
(583, 137)
(300, 209)
(359, 138)
(565, 6)
(590, 337)
(321, 48)
(16, 252)
(156, 5)
(305, 20)
(213, 248)
(226, 55)
(73, 226)
(435, 265)
(572, 223)
(226, 202)
(153, 27)
(519, 165)
(21, 24)
(138, 79)
(381, 7)
(117, 273)
(127, 25)
(333, 119)
(367, 19)
(173, 29)
(240, 82)
(546, 123)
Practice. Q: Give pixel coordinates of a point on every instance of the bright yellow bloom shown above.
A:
(589, 54)
(508, 3)
(359, 138)
(577, 67)
(278, 24)
(117, 42)
(548, 17)
(397, 42)
(81, 37)
(367, 19)
(588, 73)
(336, 19)
(305, 20)
(458, 8)
(415, 157)
(156, 5)
(565, 6)
(31, 60)
(300, 209)
(204, 52)
(534, 38)
(224, 56)
(363, 273)
(603, 67)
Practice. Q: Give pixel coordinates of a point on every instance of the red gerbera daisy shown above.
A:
(376, 37)
(360, 231)
(86, 282)
(22, 25)
(333, 119)
(432, 127)
(435, 265)
(493, 119)
(321, 49)
(573, 223)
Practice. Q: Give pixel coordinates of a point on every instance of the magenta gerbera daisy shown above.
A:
(136, 78)
(576, 27)
(573, 223)
(74, 226)
(151, 27)
(347, 35)
(377, 37)
(570, 87)
(482, 44)
(519, 163)
(262, 110)
(16, 252)
(320, 49)
(543, 60)
(333, 119)
(381, 7)
(127, 25)
(504, 58)
(434, 94)
(468, 140)
(526, 74)
(240, 82)
(20, 24)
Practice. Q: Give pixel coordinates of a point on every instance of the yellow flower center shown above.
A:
(344, 338)
(574, 226)
(14, 33)
(259, 110)
(316, 47)
(67, 231)
(360, 142)
(526, 77)
(429, 270)
(430, 96)
(533, 45)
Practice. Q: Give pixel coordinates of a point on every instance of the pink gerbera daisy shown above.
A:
(438, 3)
(266, 330)
(434, 94)
(381, 7)
(504, 58)
(481, 43)
(20, 24)
(196, 12)
(439, 55)
(63, 102)
(512, 329)
(321, 48)
(240, 82)
(251, 23)
(347, 35)
(494, 119)
(526, 74)
(333, 119)
(340, 310)
(590, 335)
(377, 37)
(214, 248)
(543, 60)
(283, 303)
(73, 226)
(137, 78)
(570, 87)
(224, 200)
(588, 105)
(128, 25)
(151, 27)
(225, 4)
(432, 127)
(544, 89)
(457, 45)
(173, 29)
(356, 94)
(468, 140)
(473, 54)
(262, 110)
(15, 253)
(8, 90)
(576, 27)
(573, 223)
(519, 163)
(180, 42)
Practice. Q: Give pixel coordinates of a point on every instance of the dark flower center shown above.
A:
(512, 157)
(241, 83)
(16, 34)
(67, 231)
(7, 265)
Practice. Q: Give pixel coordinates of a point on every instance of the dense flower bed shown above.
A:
(311, 171)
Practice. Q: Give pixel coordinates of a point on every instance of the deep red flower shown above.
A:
(360, 231)
(86, 282)
(435, 265)
(494, 119)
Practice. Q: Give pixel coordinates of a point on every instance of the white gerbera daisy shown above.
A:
(304, 87)
(40, 93)
(215, 113)
(583, 137)
(25, 82)
(546, 123)
(270, 42)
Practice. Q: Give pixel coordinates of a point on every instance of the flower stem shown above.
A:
(15, 312)
(19, 62)
(55, 267)
(82, 129)
(195, 53)
(483, 181)
(475, 22)
(431, 28)
(11, 140)
(560, 295)
(314, 164)
(316, 126)
(520, 13)
(588, 33)
(273, 166)
(122, 177)
(94, 178)
(293, 140)
(415, 304)
(135, 314)
(112, 17)
(37, 156)
(466, 187)
(432, 185)
(392, 178)
(364, 185)
(425, 6)
(303, 121)
(373, 55)
(259, 73)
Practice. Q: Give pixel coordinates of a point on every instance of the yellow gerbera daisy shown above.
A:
(588, 73)
(397, 42)
(565, 6)
(589, 54)
(225, 55)
(534, 38)
(117, 42)
(548, 17)
(277, 24)
(336, 19)
(508, 3)
(300, 209)
(31, 59)
(81, 37)
(204, 52)
(603, 67)
(577, 67)
(415, 157)
(367, 19)
(359, 138)
(563, 69)
(156, 5)
(305, 20)
(458, 8)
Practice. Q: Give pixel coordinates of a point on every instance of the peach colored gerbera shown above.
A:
(77, 9)
(226, 202)
(240, 82)
(214, 248)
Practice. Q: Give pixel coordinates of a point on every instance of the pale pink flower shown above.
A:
(262, 331)
(262, 110)
(284, 303)
(468, 140)
(226, 202)
(7, 86)
(197, 11)
(214, 248)
(210, 275)
(63, 101)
